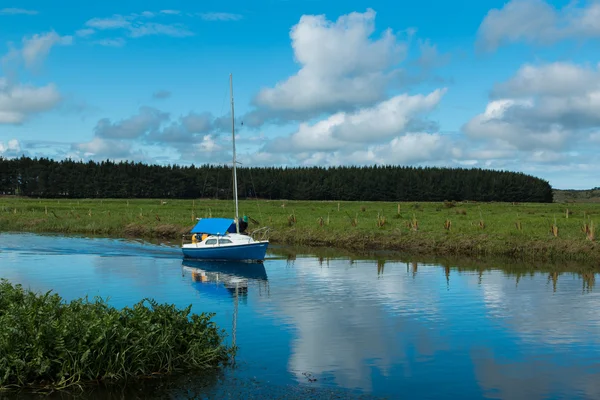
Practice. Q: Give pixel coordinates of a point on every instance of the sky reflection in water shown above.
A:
(383, 328)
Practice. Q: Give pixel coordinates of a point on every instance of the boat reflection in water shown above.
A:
(226, 274)
(227, 277)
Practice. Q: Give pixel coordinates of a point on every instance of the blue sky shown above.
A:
(505, 85)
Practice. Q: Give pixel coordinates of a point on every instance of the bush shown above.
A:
(46, 342)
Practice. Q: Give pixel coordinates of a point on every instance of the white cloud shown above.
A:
(595, 137)
(10, 149)
(153, 28)
(16, 11)
(194, 122)
(537, 22)
(37, 47)
(170, 12)
(18, 102)
(204, 149)
(542, 108)
(138, 28)
(345, 130)
(99, 147)
(494, 124)
(408, 149)
(556, 79)
(341, 68)
(147, 120)
(547, 156)
(117, 21)
(413, 148)
(220, 16)
(188, 129)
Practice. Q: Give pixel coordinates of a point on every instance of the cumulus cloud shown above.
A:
(103, 148)
(189, 129)
(147, 120)
(556, 79)
(537, 22)
(346, 130)
(10, 149)
(407, 149)
(18, 102)
(342, 68)
(194, 136)
(197, 123)
(541, 107)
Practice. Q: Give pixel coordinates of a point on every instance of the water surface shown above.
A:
(310, 327)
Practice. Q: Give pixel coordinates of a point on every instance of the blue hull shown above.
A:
(245, 252)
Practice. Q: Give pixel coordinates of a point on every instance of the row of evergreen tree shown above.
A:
(47, 178)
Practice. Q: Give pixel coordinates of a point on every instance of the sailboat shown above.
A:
(221, 239)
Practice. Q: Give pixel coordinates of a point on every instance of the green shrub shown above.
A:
(46, 342)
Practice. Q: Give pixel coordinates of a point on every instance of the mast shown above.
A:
(235, 194)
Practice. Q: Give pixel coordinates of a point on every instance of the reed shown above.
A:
(589, 230)
(554, 228)
(413, 224)
(380, 220)
(448, 225)
(47, 343)
(292, 219)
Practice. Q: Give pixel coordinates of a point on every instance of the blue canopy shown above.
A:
(214, 226)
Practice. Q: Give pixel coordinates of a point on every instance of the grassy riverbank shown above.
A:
(47, 343)
(525, 231)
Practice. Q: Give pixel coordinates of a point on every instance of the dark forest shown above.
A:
(47, 178)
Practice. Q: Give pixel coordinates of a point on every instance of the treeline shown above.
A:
(74, 179)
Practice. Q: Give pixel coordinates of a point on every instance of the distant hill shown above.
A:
(577, 196)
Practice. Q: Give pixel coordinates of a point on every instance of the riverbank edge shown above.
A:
(412, 243)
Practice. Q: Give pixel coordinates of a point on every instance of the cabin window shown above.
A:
(225, 241)
(211, 241)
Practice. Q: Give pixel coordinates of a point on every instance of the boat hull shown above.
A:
(245, 252)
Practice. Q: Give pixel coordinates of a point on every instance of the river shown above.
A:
(335, 327)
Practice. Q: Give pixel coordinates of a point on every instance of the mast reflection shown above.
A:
(234, 278)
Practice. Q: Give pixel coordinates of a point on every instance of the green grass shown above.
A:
(476, 228)
(48, 343)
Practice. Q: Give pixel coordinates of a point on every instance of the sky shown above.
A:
(507, 85)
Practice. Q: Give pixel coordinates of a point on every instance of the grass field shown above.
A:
(525, 231)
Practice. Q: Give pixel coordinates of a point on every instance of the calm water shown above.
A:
(335, 328)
